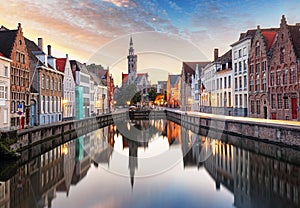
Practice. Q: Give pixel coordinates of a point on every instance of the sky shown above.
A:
(165, 32)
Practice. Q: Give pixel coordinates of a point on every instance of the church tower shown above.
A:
(132, 62)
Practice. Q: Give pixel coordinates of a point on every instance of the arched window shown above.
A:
(43, 81)
(264, 82)
(47, 82)
(257, 83)
(251, 84)
(292, 76)
(282, 51)
(285, 76)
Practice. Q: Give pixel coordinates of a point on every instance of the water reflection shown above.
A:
(254, 179)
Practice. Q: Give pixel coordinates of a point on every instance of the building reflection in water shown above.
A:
(254, 179)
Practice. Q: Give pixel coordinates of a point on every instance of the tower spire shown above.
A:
(131, 42)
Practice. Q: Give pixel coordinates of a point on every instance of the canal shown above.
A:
(154, 163)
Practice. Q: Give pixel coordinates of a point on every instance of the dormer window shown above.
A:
(282, 51)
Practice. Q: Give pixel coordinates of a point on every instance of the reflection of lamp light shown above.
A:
(65, 150)
(64, 101)
(128, 102)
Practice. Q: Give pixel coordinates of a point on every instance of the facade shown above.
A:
(258, 82)
(196, 89)
(68, 102)
(284, 73)
(223, 90)
(83, 85)
(173, 90)
(240, 55)
(46, 85)
(4, 92)
(187, 73)
(161, 87)
(216, 92)
(100, 95)
(12, 46)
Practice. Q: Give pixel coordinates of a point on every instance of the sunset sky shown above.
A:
(164, 32)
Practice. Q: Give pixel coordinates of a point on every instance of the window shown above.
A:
(264, 82)
(272, 80)
(251, 69)
(273, 101)
(245, 101)
(225, 82)
(257, 83)
(264, 66)
(245, 65)
(43, 81)
(282, 51)
(240, 66)
(229, 82)
(229, 99)
(279, 100)
(235, 54)
(285, 76)
(241, 101)
(6, 71)
(240, 83)
(236, 101)
(52, 84)
(235, 68)
(245, 82)
(3, 92)
(278, 78)
(240, 53)
(236, 83)
(47, 82)
(244, 51)
(221, 83)
(13, 106)
(18, 56)
(251, 84)
(292, 76)
(217, 84)
(257, 49)
(286, 101)
(257, 68)
(258, 106)
(252, 107)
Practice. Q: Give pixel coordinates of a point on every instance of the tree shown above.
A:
(152, 94)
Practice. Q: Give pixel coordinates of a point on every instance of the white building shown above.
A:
(99, 92)
(196, 89)
(240, 54)
(4, 92)
(63, 65)
(207, 98)
(82, 80)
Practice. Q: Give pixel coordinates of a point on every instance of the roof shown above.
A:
(79, 66)
(7, 39)
(61, 64)
(174, 79)
(249, 34)
(96, 79)
(226, 57)
(190, 68)
(295, 37)
(269, 36)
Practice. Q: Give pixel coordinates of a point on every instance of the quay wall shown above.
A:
(272, 131)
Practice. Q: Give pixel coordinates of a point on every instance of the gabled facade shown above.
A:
(82, 89)
(208, 76)
(4, 92)
(12, 46)
(68, 102)
(187, 72)
(100, 95)
(173, 91)
(284, 73)
(259, 61)
(46, 85)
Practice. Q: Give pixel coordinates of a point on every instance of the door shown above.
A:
(274, 116)
(265, 112)
(294, 108)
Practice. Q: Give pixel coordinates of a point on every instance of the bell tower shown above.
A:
(132, 62)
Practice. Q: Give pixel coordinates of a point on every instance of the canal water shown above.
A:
(155, 163)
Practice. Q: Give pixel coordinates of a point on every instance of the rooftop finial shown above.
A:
(131, 42)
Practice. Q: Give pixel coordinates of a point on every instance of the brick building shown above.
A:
(284, 73)
(259, 60)
(46, 85)
(12, 45)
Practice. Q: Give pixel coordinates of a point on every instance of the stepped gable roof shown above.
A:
(295, 38)
(61, 64)
(7, 39)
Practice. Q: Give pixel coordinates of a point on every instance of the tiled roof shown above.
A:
(31, 48)
(60, 64)
(124, 78)
(7, 39)
(226, 57)
(295, 36)
(269, 36)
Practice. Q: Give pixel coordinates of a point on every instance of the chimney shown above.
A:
(40, 43)
(49, 50)
(19, 25)
(216, 54)
(67, 56)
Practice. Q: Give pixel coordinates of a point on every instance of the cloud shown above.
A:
(121, 3)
